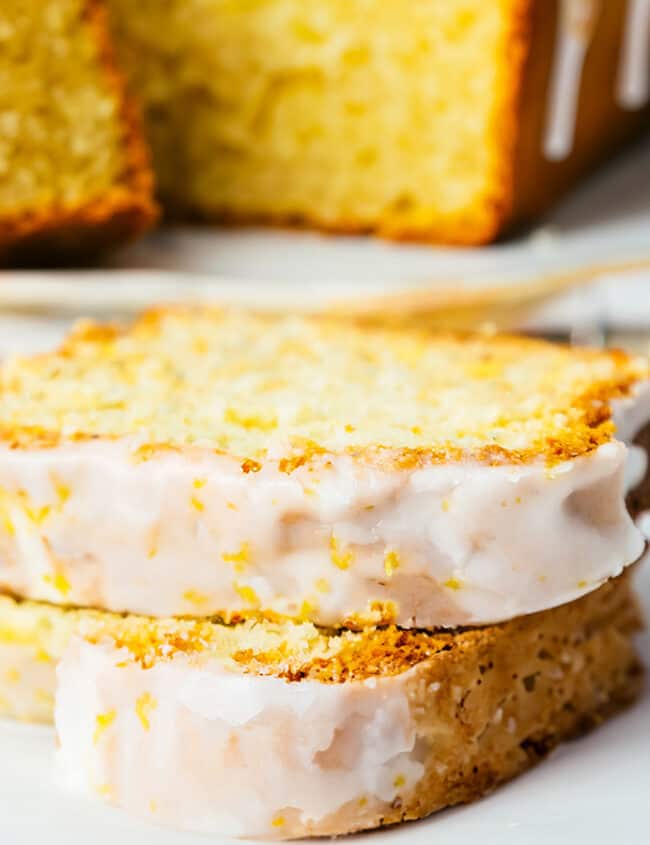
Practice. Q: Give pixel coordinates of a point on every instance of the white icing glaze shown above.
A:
(190, 533)
(473, 544)
(635, 468)
(575, 28)
(213, 750)
(632, 413)
(633, 89)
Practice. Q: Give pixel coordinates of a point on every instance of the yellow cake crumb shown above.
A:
(432, 413)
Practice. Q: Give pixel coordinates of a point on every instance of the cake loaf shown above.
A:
(440, 120)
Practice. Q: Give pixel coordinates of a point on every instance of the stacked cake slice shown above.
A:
(301, 577)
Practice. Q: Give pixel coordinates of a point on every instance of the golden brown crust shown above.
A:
(301, 651)
(124, 212)
(304, 652)
(502, 698)
(602, 125)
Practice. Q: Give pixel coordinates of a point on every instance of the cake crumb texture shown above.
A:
(292, 389)
(74, 169)
(348, 114)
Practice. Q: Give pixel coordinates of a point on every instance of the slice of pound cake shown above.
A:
(207, 462)
(283, 730)
(74, 170)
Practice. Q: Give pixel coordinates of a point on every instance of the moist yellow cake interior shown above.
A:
(291, 650)
(383, 113)
(288, 649)
(59, 129)
(256, 385)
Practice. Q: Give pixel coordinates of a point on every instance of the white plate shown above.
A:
(595, 790)
(600, 231)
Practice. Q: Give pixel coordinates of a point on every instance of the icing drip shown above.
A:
(576, 24)
(633, 90)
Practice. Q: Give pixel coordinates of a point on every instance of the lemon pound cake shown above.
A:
(207, 462)
(435, 120)
(281, 732)
(74, 170)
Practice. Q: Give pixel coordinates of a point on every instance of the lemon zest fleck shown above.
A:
(391, 562)
(453, 584)
(195, 597)
(240, 558)
(103, 721)
(144, 706)
(58, 581)
(247, 593)
(322, 585)
(44, 696)
(62, 490)
(339, 558)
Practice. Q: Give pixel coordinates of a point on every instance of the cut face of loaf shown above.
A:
(220, 463)
(74, 170)
(271, 730)
(355, 115)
